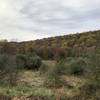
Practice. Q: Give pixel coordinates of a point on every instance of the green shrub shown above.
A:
(91, 89)
(21, 60)
(76, 70)
(8, 69)
(34, 63)
(3, 61)
(76, 66)
(28, 61)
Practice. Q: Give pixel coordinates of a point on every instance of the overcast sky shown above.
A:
(34, 19)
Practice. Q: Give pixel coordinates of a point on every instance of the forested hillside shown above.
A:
(56, 47)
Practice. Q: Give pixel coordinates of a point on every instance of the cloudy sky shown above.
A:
(34, 19)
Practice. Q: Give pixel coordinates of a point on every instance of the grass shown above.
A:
(29, 84)
(25, 91)
(50, 62)
(74, 81)
(32, 84)
(31, 78)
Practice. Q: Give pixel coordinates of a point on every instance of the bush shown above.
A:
(21, 60)
(91, 89)
(3, 62)
(77, 70)
(34, 63)
(77, 66)
(8, 70)
(28, 62)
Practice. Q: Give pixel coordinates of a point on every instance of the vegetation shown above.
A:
(34, 63)
(8, 70)
(57, 68)
(28, 62)
(77, 66)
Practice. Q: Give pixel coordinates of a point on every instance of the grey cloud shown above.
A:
(49, 15)
(43, 18)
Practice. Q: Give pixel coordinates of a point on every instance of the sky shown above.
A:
(23, 20)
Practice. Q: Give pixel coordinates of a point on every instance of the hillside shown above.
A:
(57, 68)
(54, 47)
(66, 40)
(51, 48)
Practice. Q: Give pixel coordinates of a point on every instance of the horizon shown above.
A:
(31, 20)
(74, 33)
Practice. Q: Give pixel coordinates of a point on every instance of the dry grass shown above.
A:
(31, 83)
(31, 78)
(73, 80)
(50, 62)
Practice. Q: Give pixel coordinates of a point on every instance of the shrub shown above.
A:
(21, 60)
(28, 61)
(76, 66)
(34, 62)
(3, 61)
(8, 69)
(91, 89)
(77, 70)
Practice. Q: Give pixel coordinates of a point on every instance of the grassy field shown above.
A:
(31, 84)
